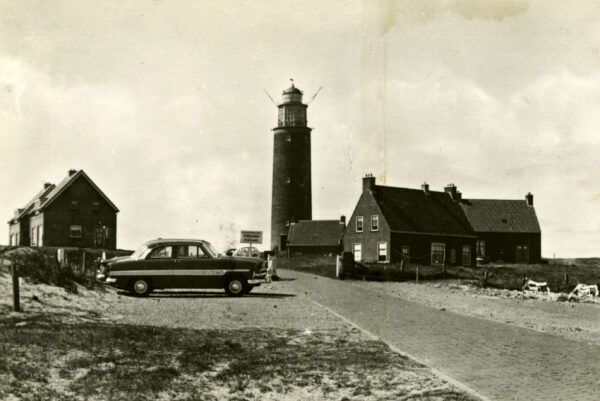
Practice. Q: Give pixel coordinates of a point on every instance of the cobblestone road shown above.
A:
(499, 361)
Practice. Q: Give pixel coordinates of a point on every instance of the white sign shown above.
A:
(251, 237)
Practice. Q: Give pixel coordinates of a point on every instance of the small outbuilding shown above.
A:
(316, 237)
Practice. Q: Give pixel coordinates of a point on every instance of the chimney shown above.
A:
(72, 171)
(368, 182)
(452, 190)
(529, 199)
(47, 185)
(425, 188)
(343, 219)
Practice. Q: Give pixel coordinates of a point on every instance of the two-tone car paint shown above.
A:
(179, 263)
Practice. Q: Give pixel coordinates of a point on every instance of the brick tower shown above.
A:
(291, 196)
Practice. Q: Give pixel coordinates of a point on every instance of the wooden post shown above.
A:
(338, 266)
(566, 278)
(485, 277)
(83, 264)
(15, 285)
(417, 275)
(402, 265)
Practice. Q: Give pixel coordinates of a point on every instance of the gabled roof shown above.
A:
(496, 215)
(63, 185)
(29, 205)
(316, 233)
(417, 211)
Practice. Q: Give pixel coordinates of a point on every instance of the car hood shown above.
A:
(117, 259)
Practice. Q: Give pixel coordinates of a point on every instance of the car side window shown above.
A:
(190, 251)
(161, 252)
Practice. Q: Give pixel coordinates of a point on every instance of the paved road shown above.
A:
(499, 361)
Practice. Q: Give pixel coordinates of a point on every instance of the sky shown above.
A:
(163, 105)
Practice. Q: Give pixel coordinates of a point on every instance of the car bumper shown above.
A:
(106, 280)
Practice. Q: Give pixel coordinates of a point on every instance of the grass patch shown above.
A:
(51, 360)
(562, 275)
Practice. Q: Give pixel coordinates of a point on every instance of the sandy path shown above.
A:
(576, 321)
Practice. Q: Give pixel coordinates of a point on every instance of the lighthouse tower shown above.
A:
(291, 196)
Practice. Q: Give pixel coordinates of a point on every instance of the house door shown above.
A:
(99, 238)
(522, 254)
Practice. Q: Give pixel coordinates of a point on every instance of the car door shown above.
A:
(195, 268)
(158, 265)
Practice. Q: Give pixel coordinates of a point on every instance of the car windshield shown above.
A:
(139, 252)
(210, 250)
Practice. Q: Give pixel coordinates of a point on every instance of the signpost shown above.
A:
(251, 237)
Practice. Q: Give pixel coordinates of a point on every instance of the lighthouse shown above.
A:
(291, 191)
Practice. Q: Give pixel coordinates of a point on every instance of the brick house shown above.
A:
(507, 230)
(316, 237)
(74, 213)
(392, 224)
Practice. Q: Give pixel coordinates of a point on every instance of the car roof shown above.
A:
(171, 241)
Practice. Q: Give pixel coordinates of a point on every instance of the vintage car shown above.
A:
(179, 263)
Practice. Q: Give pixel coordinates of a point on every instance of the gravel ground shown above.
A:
(275, 308)
(574, 320)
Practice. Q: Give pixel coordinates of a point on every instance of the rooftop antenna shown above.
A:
(314, 96)
(267, 93)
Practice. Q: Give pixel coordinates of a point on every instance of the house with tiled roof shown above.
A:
(73, 213)
(507, 230)
(392, 224)
(316, 237)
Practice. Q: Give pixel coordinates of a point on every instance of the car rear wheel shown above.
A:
(236, 286)
(141, 287)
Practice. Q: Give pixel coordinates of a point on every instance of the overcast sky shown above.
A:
(161, 103)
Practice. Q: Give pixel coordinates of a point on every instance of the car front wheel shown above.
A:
(236, 286)
(141, 287)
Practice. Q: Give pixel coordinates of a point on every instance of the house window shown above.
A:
(481, 249)
(17, 239)
(359, 224)
(466, 255)
(74, 205)
(382, 252)
(40, 235)
(374, 222)
(438, 253)
(107, 232)
(288, 138)
(453, 256)
(405, 253)
(32, 239)
(288, 180)
(75, 232)
(357, 252)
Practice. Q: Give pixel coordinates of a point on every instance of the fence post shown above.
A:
(15, 286)
(417, 275)
(83, 270)
(338, 266)
(566, 278)
(485, 277)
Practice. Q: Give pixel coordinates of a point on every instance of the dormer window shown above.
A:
(74, 205)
